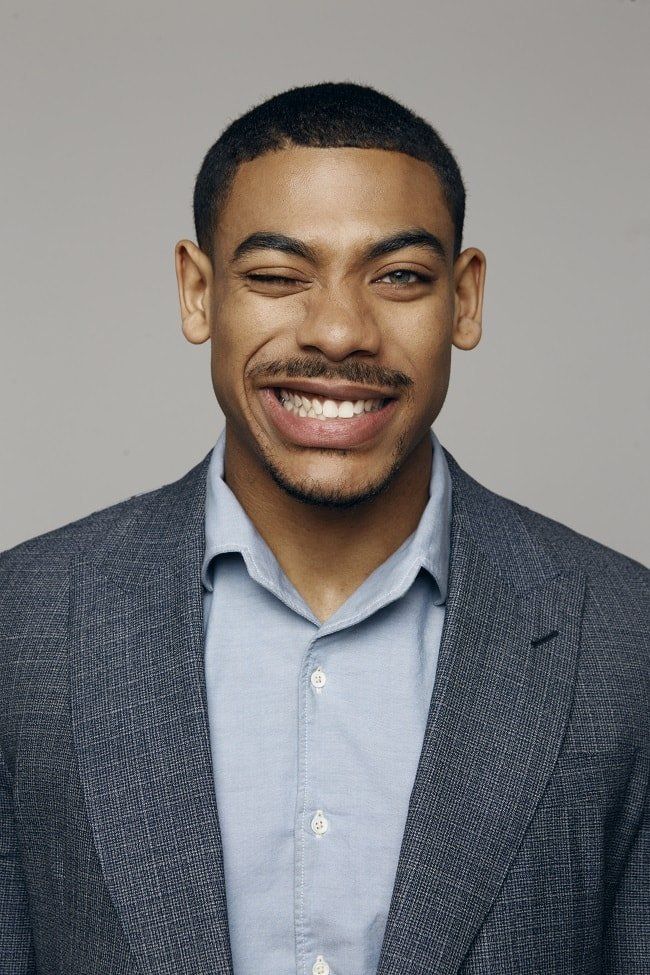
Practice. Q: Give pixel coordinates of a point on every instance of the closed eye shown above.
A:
(273, 277)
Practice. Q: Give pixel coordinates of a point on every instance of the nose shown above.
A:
(337, 323)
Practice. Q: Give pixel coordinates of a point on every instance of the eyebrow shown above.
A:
(410, 237)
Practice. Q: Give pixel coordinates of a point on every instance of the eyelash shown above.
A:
(274, 277)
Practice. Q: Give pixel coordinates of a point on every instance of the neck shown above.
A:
(327, 552)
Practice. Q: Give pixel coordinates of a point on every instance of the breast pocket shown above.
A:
(583, 778)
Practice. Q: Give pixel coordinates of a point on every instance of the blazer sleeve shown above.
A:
(16, 947)
(627, 936)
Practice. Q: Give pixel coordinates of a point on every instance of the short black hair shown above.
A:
(326, 115)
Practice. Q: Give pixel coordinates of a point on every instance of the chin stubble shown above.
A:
(337, 498)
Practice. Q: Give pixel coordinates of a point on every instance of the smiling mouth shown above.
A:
(308, 419)
(317, 407)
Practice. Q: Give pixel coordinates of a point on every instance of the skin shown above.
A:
(331, 517)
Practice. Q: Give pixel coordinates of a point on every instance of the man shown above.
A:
(325, 704)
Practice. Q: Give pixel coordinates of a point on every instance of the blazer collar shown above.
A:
(499, 708)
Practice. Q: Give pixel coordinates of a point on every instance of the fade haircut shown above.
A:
(326, 115)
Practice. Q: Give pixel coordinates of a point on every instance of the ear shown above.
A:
(469, 282)
(194, 277)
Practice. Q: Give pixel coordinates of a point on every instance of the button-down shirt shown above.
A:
(316, 730)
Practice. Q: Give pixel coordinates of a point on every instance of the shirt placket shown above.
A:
(313, 819)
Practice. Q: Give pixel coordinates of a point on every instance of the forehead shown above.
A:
(335, 194)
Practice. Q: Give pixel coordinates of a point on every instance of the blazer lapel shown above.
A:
(500, 704)
(141, 734)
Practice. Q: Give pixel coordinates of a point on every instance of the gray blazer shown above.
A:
(527, 842)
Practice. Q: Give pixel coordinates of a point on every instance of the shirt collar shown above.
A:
(229, 529)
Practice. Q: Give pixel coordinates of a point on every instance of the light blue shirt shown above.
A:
(316, 730)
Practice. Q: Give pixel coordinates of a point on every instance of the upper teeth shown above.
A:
(320, 408)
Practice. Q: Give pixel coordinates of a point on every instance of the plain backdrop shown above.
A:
(108, 111)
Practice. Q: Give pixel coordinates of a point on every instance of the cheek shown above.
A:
(434, 359)
(421, 346)
(244, 323)
(426, 357)
(232, 331)
(227, 354)
(241, 328)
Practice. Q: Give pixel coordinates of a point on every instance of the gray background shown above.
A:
(109, 110)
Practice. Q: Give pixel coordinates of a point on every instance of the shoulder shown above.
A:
(140, 530)
(625, 580)
(57, 545)
(527, 546)
(34, 573)
(621, 583)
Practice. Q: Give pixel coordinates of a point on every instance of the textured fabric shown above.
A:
(527, 838)
(285, 750)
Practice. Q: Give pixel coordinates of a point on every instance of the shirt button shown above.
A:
(318, 678)
(319, 824)
(320, 966)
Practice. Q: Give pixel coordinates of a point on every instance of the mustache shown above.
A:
(358, 373)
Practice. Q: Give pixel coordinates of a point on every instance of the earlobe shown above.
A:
(468, 305)
(193, 277)
(467, 333)
(195, 328)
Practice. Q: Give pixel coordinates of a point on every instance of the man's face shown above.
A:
(335, 316)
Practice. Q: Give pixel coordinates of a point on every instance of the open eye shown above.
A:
(400, 283)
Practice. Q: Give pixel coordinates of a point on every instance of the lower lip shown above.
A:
(307, 432)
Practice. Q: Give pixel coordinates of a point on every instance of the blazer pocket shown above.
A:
(589, 777)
